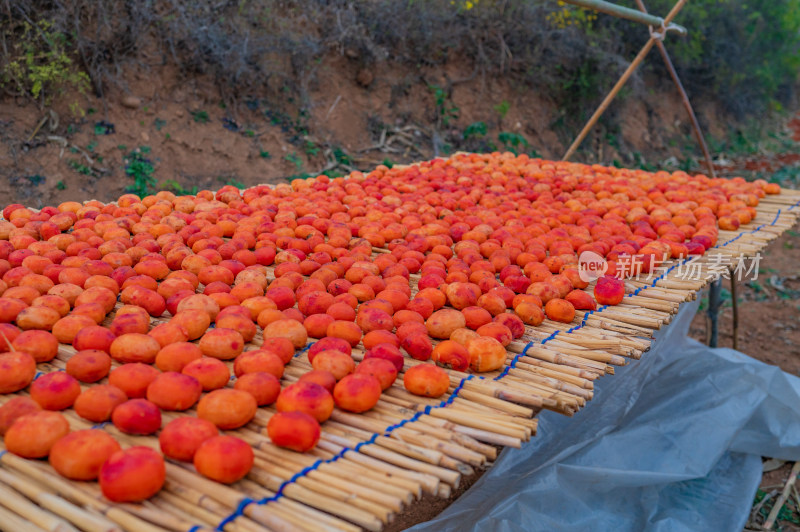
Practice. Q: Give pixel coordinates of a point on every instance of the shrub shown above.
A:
(747, 54)
(37, 62)
(744, 53)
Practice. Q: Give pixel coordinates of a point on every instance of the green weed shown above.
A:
(476, 130)
(37, 63)
(141, 169)
(79, 167)
(177, 188)
(513, 142)
(200, 116)
(502, 109)
(310, 148)
(295, 160)
(341, 157)
(446, 110)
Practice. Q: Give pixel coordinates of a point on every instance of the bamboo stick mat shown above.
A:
(368, 467)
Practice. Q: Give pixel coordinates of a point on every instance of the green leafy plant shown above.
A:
(200, 116)
(141, 169)
(310, 148)
(752, 47)
(300, 175)
(177, 188)
(61, 186)
(79, 167)
(38, 63)
(513, 142)
(103, 128)
(502, 109)
(159, 123)
(642, 163)
(295, 160)
(235, 183)
(476, 130)
(388, 163)
(341, 157)
(446, 110)
(92, 145)
(264, 154)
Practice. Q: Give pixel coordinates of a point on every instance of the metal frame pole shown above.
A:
(735, 303)
(714, 300)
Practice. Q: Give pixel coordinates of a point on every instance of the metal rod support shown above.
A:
(685, 98)
(627, 13)
(735, 303)
(620, 83)
(714, 301)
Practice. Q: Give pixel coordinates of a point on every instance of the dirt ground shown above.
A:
(769, 329)
(769, 308)
(80, 148)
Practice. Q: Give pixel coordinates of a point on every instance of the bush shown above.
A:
(746, 54)
(743, 52)
(37, 62)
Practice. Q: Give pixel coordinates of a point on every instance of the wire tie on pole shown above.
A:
(659, 34)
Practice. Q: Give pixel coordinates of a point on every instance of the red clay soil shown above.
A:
(195, 141)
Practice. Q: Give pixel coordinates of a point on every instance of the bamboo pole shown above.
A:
(12, 522)
(26, 509)
(56, 505)
(698, 133)
(628, 13)
(428, 455)
(622, 80)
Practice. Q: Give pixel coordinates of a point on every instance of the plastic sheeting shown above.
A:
(671, 442)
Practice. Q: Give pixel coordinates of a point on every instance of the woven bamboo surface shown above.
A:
(368, 467)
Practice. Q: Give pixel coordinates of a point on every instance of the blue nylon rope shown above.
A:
(240, 508)
(306, 348)
(303, 472)
(427, 410)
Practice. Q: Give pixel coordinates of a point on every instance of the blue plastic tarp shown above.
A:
(671, 442)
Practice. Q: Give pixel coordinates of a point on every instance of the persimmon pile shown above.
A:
(197, 303)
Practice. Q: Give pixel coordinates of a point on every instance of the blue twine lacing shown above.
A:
(280, 492)
(306, 348)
